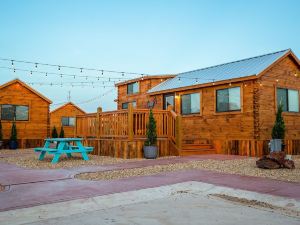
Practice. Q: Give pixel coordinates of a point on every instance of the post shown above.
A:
(130, 122)
(178, 131)
(98, 126)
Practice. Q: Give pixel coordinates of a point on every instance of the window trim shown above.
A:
(133, 93)
(200, 103)
(15, 120)
(164, 99)
(241, 99)
(276, 96)
(128, 103)
(68, 121)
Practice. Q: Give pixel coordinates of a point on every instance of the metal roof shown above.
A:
(237, 69)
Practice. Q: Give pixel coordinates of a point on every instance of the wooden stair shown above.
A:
(196, 149)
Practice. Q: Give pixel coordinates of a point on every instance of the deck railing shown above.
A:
(129, 124)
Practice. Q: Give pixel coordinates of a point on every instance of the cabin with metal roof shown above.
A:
(65, 116)
(29, 109)
(232, 106)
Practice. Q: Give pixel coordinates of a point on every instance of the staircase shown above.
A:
(196, 149)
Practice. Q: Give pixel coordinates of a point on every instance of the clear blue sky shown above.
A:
(153, 37)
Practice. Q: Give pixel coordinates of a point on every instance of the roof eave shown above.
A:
(210, 84)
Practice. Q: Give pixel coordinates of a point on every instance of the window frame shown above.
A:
(238, 111)
(128, 104)
(200, 103)
(138, 88)
(164, 100)
(287, 89)
(69, 117)
(15, 115)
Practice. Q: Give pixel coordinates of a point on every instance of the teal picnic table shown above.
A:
(64, 146)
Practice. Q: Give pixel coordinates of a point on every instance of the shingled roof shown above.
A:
(227, 71)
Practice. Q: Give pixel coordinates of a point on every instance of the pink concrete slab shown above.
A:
(29, 187)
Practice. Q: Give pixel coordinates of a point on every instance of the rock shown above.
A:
(275, 160)
(267, 163)
(278, 156)
(289, 164)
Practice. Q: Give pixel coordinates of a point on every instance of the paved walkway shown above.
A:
(30, 187)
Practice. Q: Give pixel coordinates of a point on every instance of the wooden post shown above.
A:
(98, 125)
(130, 122)
(178, 131)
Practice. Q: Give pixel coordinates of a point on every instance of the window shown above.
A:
(133, 88)
(169, 100)
(125, 105)
(190, 103)
(229, 99)
(289, 99)
(14, 112)
(68, 121)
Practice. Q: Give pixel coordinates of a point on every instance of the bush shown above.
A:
(151, 131)
(62, 132)
(1, 134)
(13, 135)
(278, 131)
(54, 133)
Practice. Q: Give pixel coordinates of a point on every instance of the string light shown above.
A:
(30, 72)
(80, 70)
(12, 62)
(35, 65)
(58, 67)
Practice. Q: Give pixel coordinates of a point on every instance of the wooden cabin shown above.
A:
(29, 109)
(65, 116)
(227, 109)
(232, 106)
(135, 91)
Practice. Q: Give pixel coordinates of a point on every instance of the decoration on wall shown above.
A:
(151, 104)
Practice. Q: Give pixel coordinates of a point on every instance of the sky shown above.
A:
(145, 37)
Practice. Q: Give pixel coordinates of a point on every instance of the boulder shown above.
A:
(275, 160)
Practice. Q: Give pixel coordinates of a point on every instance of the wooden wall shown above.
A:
(38, 125)
(68, 110)
(284, 72)
(209, 125)
(141, 98)
(127, 149)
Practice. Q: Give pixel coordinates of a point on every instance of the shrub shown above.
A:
(151, 131)
(278, 131)
(54, 133)
(62, 132)
(1, 134)
(13, 135)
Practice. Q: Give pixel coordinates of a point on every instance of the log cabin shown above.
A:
(135, 91)
(231, 108)
(225, 109)
(64, 116)
(30, 111)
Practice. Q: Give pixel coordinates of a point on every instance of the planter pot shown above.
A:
(276, 145)
(150, 152)
(13, 144)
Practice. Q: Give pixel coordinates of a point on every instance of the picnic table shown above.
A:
(63, 146)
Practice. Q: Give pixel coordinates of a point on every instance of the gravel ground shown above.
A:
(32, 162)
(241, 166)
(17, 151)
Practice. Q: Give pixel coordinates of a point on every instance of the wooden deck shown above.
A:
(122, 133)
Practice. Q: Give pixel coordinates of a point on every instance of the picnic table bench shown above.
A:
(64, 146)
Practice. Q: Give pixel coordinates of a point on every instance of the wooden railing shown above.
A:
(129, 124)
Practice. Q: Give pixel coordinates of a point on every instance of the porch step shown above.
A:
(197, 149)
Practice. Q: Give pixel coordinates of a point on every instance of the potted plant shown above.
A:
(150, 147)
(1, 136)
(278, 131)
(13, 142)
